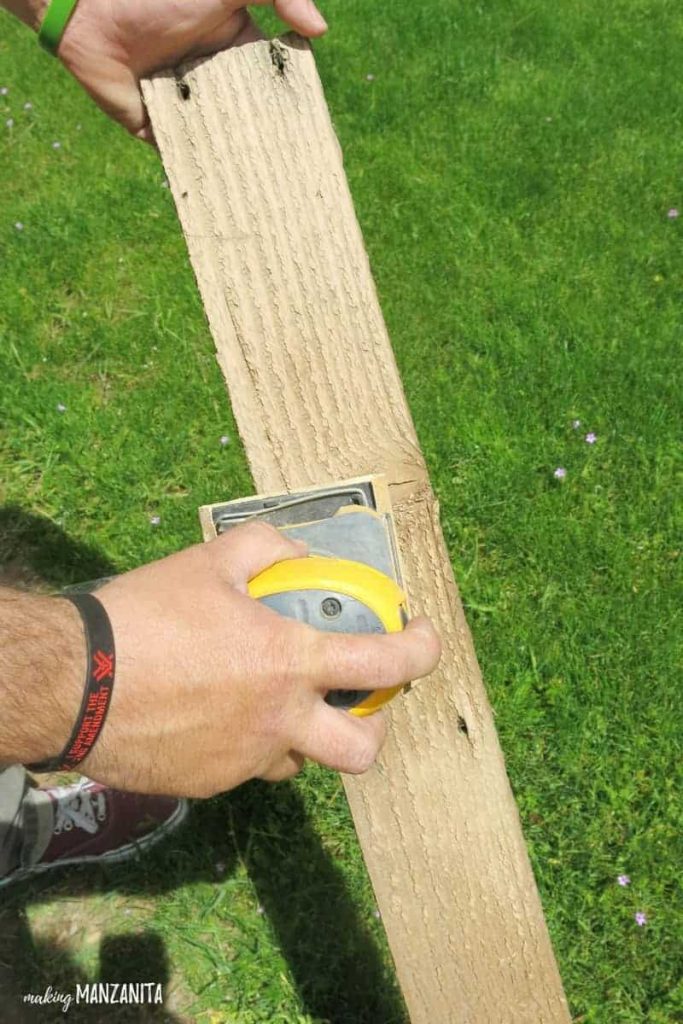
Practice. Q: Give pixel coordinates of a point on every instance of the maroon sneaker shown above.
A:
(95, 823)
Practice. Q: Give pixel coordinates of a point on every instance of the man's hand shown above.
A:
(109, 45)
(212, 688)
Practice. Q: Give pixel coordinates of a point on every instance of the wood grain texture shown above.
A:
(257, 177)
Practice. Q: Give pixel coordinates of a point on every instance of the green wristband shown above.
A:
(54, 23)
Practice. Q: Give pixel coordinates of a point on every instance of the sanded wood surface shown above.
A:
(257, 177)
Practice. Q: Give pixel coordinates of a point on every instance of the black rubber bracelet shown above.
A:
(99, 685)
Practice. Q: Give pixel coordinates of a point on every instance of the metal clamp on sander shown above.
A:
(351, 582)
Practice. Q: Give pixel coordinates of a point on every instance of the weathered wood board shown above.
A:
(257, 177)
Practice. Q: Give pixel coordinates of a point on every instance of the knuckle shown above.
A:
(288, 769)
(279, 667)
(289, 653)
(316, 653)
(364, 752)
(281, 767)
(362, 758)
(258, 532)
(347, 656)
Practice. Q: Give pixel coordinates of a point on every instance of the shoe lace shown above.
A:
(82, 809)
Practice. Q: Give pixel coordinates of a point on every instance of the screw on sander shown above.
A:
(351, 581)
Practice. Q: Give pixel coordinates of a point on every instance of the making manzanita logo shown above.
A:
(141, 993)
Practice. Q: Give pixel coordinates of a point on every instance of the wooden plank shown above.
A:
(257, 177)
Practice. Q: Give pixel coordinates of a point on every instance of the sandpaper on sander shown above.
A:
(351, 582)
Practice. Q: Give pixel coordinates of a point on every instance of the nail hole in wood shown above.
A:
(462, 725)
(279, 57)
(184, 89)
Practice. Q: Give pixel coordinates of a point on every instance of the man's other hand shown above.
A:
(110, 46)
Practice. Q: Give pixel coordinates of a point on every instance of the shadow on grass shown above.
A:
(35, 552)
(47, 970)
(333, 959)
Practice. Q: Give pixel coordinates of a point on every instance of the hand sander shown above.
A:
(351, 581)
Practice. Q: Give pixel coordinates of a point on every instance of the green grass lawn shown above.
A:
(516, 168)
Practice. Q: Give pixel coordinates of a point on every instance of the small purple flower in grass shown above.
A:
(640, 918)
(154, 520)
(623, 880)
(224, 440)
(61, 407)
(672, 213)
(591, 438)
(560, 473)
(576, 424)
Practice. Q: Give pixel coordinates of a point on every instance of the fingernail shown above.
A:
(321, 24)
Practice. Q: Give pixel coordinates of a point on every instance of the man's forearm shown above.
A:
(42, 665)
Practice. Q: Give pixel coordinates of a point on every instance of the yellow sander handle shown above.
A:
(341, 596)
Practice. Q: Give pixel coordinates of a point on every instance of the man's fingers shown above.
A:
(286, 768)
(250, 548)
(236, 31)
(343, 742)
(146, 134)
(301, 15)
(348, 661)
(117, 93)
